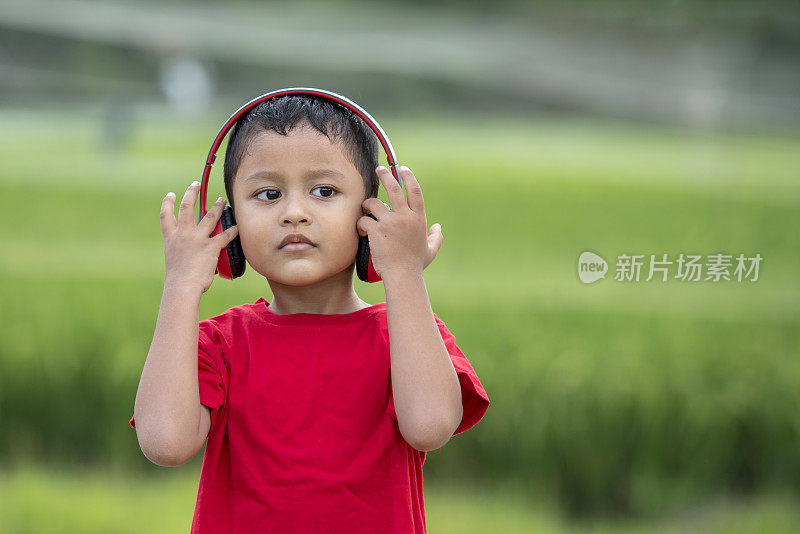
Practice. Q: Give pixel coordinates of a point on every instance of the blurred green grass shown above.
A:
(37, 499)
(610, 399)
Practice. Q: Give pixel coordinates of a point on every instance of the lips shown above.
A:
(295, 238)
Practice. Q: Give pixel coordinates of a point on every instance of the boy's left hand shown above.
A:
(399, 240)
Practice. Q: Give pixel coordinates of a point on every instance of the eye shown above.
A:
(268, 191)
(326, 188)
(274, 194)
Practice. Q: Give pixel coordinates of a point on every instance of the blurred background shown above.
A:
(538, 131)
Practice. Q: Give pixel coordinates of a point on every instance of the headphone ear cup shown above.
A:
(364, 268)
(231, 258)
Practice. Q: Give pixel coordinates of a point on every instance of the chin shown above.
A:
(304, 275)
(294, 279)
(301, 281)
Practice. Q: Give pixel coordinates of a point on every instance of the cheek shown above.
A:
(348, 228)
(254, 234)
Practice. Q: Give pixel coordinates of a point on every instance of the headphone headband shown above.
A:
(242, 111)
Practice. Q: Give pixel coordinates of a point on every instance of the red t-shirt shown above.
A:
(304, 434)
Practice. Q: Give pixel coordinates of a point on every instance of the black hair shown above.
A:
(283, 113)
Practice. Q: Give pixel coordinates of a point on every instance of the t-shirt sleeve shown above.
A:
(210, 371)
(474, 399)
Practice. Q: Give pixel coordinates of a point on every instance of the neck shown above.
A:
(332, 296)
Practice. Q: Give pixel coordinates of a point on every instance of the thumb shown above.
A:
(362, 225)
(227, 236)
(435, 235)
(435, 240)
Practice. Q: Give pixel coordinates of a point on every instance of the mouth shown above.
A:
(296, 247)
(290, 240)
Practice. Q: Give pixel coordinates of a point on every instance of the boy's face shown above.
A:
(300, 183)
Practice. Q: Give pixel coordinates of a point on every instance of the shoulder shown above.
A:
(235, 319)
(378, 317)
(448, 336)
(236, 313)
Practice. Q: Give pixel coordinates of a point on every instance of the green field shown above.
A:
(38, 499)
(673, 405)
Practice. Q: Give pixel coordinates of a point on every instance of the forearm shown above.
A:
(425, 386)
(167, 400)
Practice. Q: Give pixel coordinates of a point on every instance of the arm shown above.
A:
(170, 422)
(425, 386)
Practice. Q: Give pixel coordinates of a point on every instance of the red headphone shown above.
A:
(231, 262)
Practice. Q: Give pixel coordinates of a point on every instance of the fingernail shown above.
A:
(381, 168)
(195, 183)
(220, 199)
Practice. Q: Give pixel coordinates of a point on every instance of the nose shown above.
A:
(295, 210)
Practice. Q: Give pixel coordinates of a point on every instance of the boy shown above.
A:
(310, 425)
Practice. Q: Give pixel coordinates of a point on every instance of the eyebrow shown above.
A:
(277, 176)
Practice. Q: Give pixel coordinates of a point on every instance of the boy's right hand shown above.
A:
(190, 254)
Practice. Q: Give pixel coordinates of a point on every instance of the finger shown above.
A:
(376, 207)
(413, 190)
(209, 221)
(186, 210)
(168, 223)
(364, 225)
(223, 239)
(397, 199)
(435, 240)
